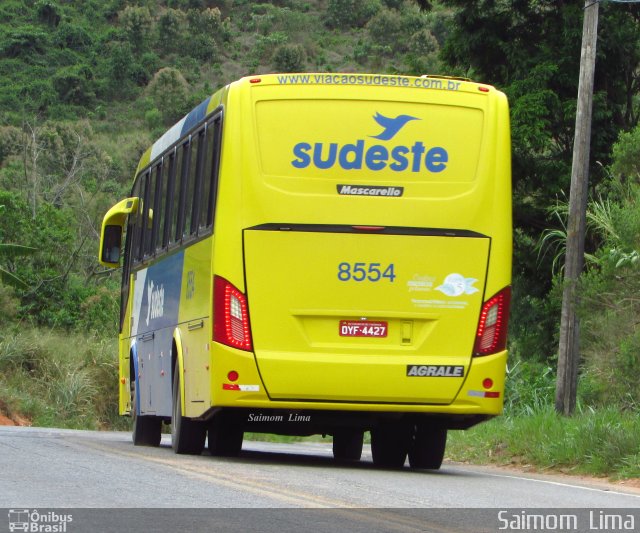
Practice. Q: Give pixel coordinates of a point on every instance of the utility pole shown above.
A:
(569, 347)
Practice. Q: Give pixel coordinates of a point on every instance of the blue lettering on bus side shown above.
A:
(356, 155)
(161, 294)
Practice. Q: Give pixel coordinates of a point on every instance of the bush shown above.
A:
(207, 33)
(351, 13)
(24, 42)
(10, 142)
(385, 29)
(171, 27)
(138, 26)
(289, 58)
(626, 154)
(48, 12)
(169, 92)
(75, 85)
(609, 312)
(73, 37)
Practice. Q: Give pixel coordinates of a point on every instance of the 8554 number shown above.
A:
(366, 271)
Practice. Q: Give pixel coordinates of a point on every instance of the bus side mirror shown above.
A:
(112, 230)
(111, 244)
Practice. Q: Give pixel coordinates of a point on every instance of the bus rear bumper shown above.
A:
(480, 397)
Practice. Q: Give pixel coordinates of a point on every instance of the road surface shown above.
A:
(103, 474)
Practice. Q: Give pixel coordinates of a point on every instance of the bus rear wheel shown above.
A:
(390, 445)
(225, 438)
(187, 436)
(427, 447)
(347, 444)
(147, 430)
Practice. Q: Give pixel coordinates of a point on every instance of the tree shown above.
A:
(531, 50)
(289, 58)
(351, 13)
(171, 30)
(626, 155)
(138, 26)
(169, 91)
(207, 32)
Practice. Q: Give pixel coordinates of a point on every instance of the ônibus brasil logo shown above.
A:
(360, 154)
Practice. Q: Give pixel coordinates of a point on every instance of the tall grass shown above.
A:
(59, 379)
(601, 442)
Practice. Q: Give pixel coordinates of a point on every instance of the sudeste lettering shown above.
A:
(356, 156)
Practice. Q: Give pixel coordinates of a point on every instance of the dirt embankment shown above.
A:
(7, 418)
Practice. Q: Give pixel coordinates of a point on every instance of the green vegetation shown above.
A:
(601, 442)
(86, 86)
(596, 441)
(61, 380)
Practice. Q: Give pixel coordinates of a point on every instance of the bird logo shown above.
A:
(391, 125)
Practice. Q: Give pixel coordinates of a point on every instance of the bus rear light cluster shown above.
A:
(491, 335)
(230, 315)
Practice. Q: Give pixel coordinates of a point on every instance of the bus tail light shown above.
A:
(230, 315)
(491, 335)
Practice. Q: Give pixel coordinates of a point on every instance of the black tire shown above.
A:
(347, 445)
(390, 445)
(147, 430)
(187, 436)
(224, 437)
(427, 447)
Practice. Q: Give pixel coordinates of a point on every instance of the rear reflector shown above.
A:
(484, 394)
(491, 336)
(230, 316)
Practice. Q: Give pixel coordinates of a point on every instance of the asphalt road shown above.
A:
(101, 476)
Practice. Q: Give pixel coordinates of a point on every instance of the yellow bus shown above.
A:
(319, 254)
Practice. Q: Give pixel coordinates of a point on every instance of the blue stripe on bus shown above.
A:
(160, 294)
(170, 137)
(195, 116)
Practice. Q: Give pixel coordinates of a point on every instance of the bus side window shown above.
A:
(191, 186)
(169, 178)
(182, 196)
(149, 212)
(158, 211)
(133, 233)
(198, 186)
(142, 217)
(210, 173)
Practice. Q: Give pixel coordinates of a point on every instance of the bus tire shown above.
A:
(224, 437)
(390, 445)
(347, 445)
(187, 436)
(147, 430)
(427, 447)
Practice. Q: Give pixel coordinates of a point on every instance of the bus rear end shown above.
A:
(373, 224)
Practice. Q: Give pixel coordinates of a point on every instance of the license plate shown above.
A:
(363, 328)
